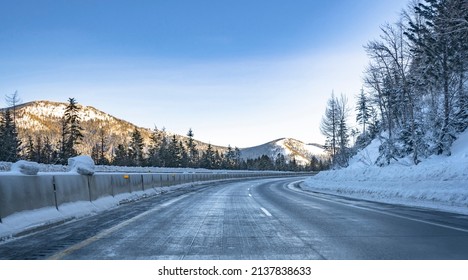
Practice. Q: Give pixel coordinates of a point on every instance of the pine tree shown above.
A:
(229, 159)
(136, 146)
(280, 162)
(192, 151)
(38, 150)
(343, 133)
(438, 31)
(208, 158)
(184, 156)
(48, 152)
(163, 152)
(30, 149)
(154, 148)
(71, 131)
(237, 158)
(121, 157)
(9, 142)
(363, 111)
(95, 153)
(173, 153)
(98, 152)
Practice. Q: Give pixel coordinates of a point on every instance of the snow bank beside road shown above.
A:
(439, 182)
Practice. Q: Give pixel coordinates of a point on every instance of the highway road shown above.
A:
(251, 219)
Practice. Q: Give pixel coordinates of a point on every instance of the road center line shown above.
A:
(265, 211)
(100, 235)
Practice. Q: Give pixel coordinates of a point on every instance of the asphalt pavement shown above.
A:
(252, 219)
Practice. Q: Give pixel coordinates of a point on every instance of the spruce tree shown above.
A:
(174, 153)
(135, 151)
(9, 142)
(229, 158)
(208, 158)
(121, 157)
(71, 131)
(192, 151)
(363, 111)
(48, 152)
(30, 149)
(38, 150)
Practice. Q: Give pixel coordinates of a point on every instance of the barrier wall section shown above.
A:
(19, 193)
(71, 188)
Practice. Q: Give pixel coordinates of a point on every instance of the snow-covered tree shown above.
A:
(334, 127)
(135, 149)
(363, 110)
(329, 125)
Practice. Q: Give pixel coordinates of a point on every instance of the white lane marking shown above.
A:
(108, 231)
(379, 211)
(266, 212)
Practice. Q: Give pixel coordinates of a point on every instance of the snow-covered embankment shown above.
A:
(439, 182)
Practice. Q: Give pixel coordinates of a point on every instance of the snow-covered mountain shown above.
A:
(290, 148)
(43, 119)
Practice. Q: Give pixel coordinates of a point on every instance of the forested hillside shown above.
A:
(414, 96)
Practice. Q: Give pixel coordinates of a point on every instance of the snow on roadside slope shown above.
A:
(439, 182)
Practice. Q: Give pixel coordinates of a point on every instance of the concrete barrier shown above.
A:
(136, 183)
(146, 181)
(100, 185)
(171, 179)
(157, 180)
(71, 188)
(19, 193)
(178, 178)
(120, 184)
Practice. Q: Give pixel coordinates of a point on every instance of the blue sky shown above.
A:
(236, 72)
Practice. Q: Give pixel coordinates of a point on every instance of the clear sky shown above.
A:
(238, 72)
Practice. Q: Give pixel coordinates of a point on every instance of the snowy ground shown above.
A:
(438, 182)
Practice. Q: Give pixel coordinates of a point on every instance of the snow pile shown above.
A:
(25, 167)
(83, 165)
(438, 182)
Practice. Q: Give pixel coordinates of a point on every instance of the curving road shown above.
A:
(256, 219)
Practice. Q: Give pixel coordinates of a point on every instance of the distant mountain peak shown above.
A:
(288, 147)
(43, 119)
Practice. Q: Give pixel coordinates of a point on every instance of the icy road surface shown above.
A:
(256, 219)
